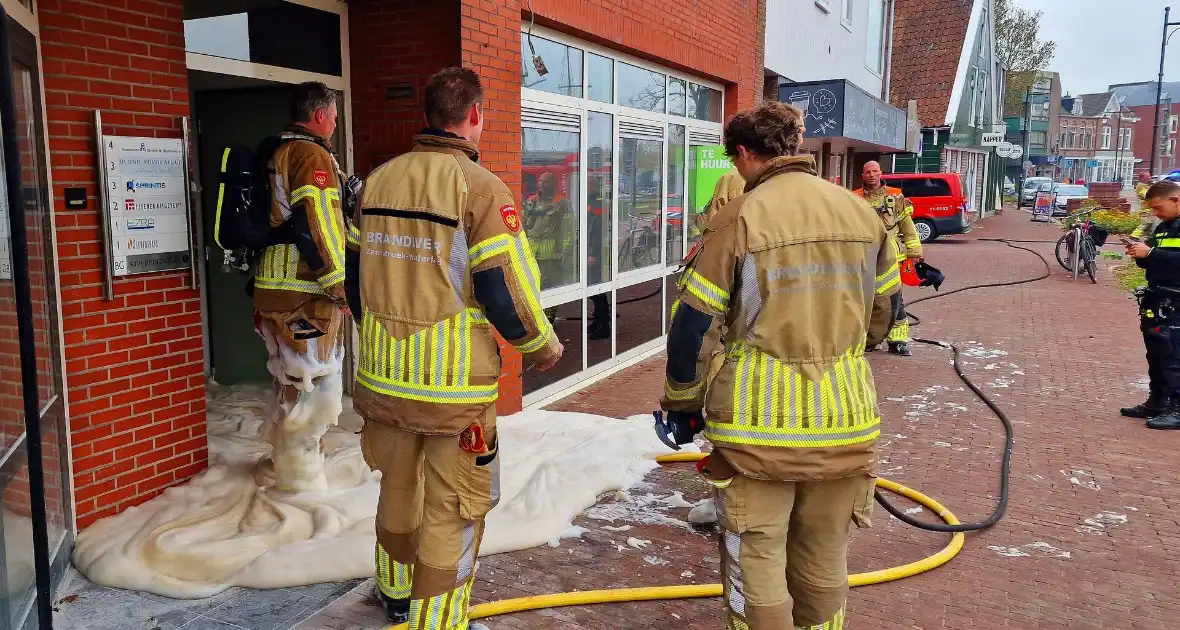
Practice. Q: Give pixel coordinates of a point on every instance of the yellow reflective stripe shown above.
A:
(484, 250)
(329, 279)
(220, 199)
(354, 235)
(447, 394)
(815, 437)
(1168, 242)
(828, 402)
(889, 279)
(438, 355)
(913, 243)
(535, 344)
(280, 284)
(322, 206)
(690, 393)
(706, 291)
(672, 311)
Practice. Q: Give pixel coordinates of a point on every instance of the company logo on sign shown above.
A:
(143, 223)
(158, 205)
(139, 243)
(135, 186)
(129, 204)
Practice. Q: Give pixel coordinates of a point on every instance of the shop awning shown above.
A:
(839, 112)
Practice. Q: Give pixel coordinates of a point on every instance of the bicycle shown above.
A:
(1077, 249)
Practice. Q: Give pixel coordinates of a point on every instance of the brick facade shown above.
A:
(134, 364)
(1141, 138)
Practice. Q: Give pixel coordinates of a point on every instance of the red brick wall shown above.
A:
(721, 40)
(134, 364)
(1141, 137)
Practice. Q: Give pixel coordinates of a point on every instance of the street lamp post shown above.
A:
(1159, 90)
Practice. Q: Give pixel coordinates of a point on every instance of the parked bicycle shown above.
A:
(1077, 249)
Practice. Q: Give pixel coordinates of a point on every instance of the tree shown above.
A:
(1021, 50)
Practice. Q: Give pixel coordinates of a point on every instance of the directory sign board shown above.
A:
(146, 204)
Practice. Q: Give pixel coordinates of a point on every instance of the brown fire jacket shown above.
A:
(443, 260)
(792, 268)
(303, 280)
(897, 213)
(728, 187)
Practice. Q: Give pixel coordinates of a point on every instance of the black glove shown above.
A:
(684, 425)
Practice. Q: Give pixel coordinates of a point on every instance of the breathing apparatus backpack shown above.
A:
(242, 225)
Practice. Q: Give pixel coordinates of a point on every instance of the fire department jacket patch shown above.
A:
(510, 217)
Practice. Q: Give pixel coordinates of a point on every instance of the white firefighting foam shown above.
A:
(230, 527)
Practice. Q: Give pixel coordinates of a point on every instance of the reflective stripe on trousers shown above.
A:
(773, 405)
(393, 577)
(449, 611)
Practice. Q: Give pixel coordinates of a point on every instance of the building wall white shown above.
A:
(805, 42)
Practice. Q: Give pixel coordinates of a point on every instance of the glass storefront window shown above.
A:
(704, 103)
(676, 96)
(641, 314)
(600, 184)
(676, 214)
(641, 88)
(564, 65)
(602, 324)
(567, 325)
(600, 79)
(550, 173)
(262, 35)
(640, 191)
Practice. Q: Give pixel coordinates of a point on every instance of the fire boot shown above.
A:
(1168, 419)
(396, 610)
(900, 348)
(1154, 406)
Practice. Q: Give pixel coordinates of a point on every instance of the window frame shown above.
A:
(878, 67)
(846, 9)
(583, 290)
(1173, 122)
(1106, 137)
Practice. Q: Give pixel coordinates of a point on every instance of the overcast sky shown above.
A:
(1100, 42)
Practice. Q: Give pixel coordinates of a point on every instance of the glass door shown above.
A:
(17, 575)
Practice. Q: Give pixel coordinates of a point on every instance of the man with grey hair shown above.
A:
(299, 297)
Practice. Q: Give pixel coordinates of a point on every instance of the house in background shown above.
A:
(1076, 142)
(1033, 124)
(830, 58)
(1114, 157)
(944, 58)
(1139, 98)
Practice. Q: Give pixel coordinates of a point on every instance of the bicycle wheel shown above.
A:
(1064, 251)
(1090, 252)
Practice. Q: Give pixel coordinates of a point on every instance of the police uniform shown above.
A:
(298, 295)
(444, 262)
(792, 412)
(1159, 320)
(896, 212)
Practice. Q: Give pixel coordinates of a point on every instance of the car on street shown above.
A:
(940, 206)
(1063, 193)
(1009, 187)
(1028, 192)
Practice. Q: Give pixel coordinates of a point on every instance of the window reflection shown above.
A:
(704, 103)
(549, 165)
(706, 165)
(676, 96)
(601, 326)
(563, 64)
(600, 79)
(640, 88)
(599, 165)
(640, 190)
(674, 226)
(567, 325)
(641, 309)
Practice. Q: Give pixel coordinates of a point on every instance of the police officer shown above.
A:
(897, 213)
(444, 262)
(1158, 316)
(299, 296)
(1147, 219)
(792, 414)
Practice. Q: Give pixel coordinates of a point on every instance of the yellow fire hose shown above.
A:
(618, 595)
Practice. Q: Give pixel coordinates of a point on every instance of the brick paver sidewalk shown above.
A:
(1088, 539)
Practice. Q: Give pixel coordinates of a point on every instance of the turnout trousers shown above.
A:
(430, 518)
(784, 550)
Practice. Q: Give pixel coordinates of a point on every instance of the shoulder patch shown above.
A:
(510, 217)
(320, 177)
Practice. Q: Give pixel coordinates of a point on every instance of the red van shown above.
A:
(940, 207)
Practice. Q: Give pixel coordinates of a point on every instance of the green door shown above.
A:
(224, 117)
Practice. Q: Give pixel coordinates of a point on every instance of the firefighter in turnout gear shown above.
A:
(1147, 220)
(730, 186)
(897, 213)
(444, 263)
(1158, 306)
(551, 222)
(792, 269)
(298, 291)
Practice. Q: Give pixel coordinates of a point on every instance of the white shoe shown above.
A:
(475, 625)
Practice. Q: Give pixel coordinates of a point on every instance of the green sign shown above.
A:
(708, 164)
